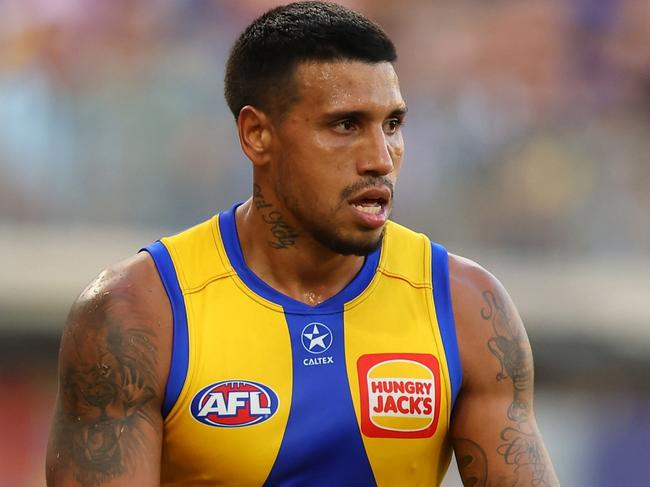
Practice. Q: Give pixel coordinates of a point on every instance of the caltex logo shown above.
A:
(316, 338)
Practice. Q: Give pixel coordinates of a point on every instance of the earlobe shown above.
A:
(254, 128)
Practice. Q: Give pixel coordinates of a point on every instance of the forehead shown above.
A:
(347, 85)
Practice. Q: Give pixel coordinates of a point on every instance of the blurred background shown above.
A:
(528, 150)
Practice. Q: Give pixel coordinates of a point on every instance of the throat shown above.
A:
(300, 268)
(309, 282)
(311, 298)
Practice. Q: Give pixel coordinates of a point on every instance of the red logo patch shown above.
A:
(400, 395)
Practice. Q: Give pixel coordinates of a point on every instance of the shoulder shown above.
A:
(485, 317)
(472, 288)
(123, 311)
(132, 286)
(469, 281)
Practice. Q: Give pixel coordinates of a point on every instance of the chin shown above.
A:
(350, 246)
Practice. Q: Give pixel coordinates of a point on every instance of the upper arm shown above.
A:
(113, 362)
(494, 431)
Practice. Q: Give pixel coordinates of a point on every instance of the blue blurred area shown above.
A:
(528, 134)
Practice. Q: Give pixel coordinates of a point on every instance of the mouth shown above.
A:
(371, 206)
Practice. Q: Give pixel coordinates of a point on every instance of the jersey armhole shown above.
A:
(180, 340)
(445, 314)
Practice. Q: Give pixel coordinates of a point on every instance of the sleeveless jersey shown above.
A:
(266, 390)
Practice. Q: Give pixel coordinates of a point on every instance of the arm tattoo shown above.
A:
(472, 462)
(521, 445)
(523, 449)
(104, 390)
(284, 234)
(509, 347)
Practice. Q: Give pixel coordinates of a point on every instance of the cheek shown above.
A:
(321, 164)
(315, 169)
(396, 150)
(301, 181)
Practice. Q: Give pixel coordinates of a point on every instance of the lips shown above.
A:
(370, 205)
(380, 195)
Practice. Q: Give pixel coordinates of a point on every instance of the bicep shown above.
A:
(492, 447)
(107, 427)
(494, 432)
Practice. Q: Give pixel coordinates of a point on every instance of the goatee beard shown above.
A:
(347, 247)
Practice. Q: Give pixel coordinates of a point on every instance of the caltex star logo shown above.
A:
(316, 338)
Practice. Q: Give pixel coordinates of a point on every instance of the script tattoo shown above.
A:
(523, 450)
(284, 234)
(522, 446)
(510, 348)
(472, 462)
(98, 431)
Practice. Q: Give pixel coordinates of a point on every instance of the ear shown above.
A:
(255, 134)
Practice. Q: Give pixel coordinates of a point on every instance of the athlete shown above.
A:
(300, 338)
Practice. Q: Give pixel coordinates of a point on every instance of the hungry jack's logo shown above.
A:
(400, 395)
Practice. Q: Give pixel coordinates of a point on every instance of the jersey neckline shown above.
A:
(232, 246)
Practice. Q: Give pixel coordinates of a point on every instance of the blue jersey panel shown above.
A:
(445, 314)
(180, 342)
(322, 445)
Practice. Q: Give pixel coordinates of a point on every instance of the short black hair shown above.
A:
(262, 62)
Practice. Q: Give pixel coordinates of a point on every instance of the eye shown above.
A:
(392, 125)
(345, 126)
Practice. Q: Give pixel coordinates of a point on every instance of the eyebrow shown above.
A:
(400, 112)
(357, 114)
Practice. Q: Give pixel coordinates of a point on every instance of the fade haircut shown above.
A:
(262, 62)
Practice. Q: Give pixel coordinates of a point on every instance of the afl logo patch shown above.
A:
(234, 403)
(400, 395)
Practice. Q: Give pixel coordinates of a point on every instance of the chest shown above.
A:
(352, 396)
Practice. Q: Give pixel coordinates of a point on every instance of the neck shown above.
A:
(288, 259)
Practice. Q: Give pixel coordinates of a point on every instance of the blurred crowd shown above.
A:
(529, 121)
(528, 129)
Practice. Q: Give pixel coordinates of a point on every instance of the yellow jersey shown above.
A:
(266, 390)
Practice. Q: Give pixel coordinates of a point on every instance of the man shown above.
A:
(300, 338)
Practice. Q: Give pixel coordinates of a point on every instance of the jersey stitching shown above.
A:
(209, 281)
(418, 285)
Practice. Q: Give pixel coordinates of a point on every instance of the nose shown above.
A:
(375, 157)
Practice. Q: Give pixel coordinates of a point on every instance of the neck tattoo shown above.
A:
(284, 235)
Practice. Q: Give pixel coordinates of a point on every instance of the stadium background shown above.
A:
(528, 145)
